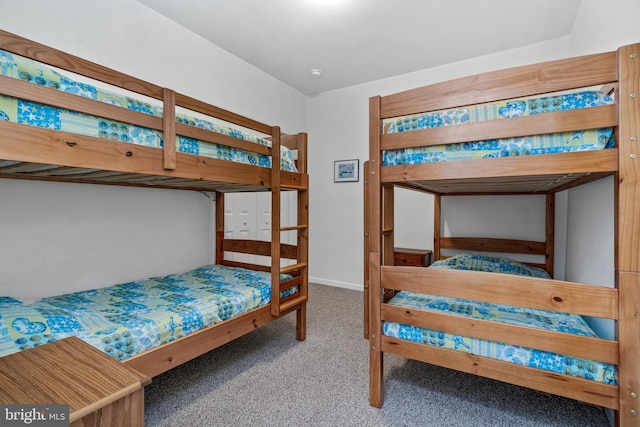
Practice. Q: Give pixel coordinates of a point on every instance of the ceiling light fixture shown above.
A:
(327, 2)
(316, 72)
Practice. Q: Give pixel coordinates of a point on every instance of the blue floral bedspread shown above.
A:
(45, 116)
(542, 319)
(129, 318)
(584, 140)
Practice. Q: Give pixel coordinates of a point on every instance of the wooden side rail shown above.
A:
(47, 55)
(591, 348)
(508, 169)
(222, 114)
(258, 247)
(167, 98)
(522, 291)
(574, 388)
(545, 77)
(493, 245)
(551, 122)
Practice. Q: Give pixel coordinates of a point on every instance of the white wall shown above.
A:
(62, 237)
(603, 26)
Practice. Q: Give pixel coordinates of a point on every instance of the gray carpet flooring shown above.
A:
(267, 378)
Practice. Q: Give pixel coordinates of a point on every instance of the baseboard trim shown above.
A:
(346, 285)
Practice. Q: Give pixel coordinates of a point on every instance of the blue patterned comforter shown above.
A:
(45, 116)
(127, 319)
(595, 139)
(542, 319)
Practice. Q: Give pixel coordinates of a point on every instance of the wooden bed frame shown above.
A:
(44, 154)
(516, 175)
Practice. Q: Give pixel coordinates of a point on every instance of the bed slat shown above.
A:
(61, 148)
(218, 138)
(515, 82)
(27, 48)
(222, 114)
(499, 288)
(569, 344)
(559, 121)
(563, 385)
(258, 247)
(44, 95)
(511, 168)
(493, 245)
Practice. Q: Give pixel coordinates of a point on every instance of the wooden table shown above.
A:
(99, 390)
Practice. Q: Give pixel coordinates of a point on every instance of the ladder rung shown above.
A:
(293, 267)
(294, 227)
(290, 303)
(296, 281)
(293, 187)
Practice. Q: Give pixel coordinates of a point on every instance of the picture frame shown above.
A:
(346, 170)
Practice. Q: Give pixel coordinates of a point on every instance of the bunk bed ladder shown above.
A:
(296, 301)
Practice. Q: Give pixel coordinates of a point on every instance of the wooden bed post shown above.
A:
(303, 238)
(219, 227)
(169, 128)
(376, 391)
(366, 247)
(388, 237)
(301, 267)
(550, 231)
(437, 226)
(628, 234)
(275, 221)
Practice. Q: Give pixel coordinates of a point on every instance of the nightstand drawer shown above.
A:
(412, 257)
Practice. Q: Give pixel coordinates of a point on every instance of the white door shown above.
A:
(248, 216)
(240, 221)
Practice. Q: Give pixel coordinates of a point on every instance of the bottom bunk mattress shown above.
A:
(129, 318)
(542, 319)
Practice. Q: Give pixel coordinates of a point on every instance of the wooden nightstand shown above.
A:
(412, 257)
(99, 390)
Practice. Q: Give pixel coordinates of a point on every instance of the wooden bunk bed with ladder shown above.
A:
(56, 154)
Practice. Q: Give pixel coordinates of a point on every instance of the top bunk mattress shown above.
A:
(45, 116)
(585, 140)
(130, 318)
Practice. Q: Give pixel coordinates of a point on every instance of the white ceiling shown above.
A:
(356, 41)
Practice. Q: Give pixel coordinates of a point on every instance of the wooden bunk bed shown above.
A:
(539, 174)
(38, 153)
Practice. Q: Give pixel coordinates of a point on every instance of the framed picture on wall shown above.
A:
(346, 170)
